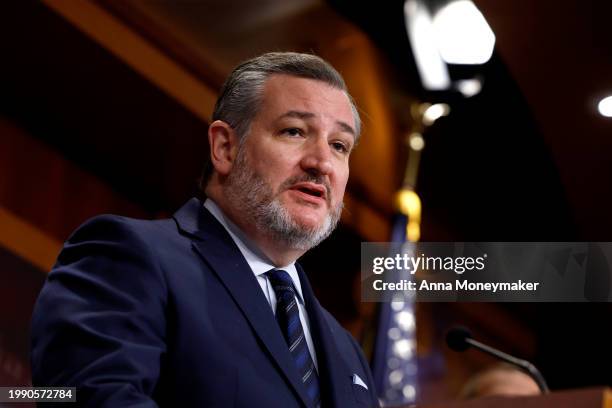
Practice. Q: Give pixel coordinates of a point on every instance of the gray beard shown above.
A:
(254, 199)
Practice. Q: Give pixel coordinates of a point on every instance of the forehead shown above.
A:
(283, 93)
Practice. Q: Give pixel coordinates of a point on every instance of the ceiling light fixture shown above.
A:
(462, 33)
(605, 107)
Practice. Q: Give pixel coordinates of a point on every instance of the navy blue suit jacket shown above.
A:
(168, 313)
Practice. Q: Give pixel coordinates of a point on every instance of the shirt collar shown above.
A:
(256, 259)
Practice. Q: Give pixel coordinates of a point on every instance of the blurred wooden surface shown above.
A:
(584, 398)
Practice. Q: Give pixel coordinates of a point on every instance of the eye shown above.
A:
(340, 147)
(293, 132)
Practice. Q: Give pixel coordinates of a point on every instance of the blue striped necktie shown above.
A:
(288, 318)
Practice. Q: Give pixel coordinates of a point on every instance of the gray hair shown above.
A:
(242, 92)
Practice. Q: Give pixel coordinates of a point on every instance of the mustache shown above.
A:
(307, 178)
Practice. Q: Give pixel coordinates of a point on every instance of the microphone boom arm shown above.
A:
(523, 364)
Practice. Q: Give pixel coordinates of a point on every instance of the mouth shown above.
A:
(311, 190)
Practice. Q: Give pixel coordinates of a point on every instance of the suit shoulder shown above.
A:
(118, 227)
(110, 240)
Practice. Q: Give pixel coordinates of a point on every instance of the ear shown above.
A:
(223, 142)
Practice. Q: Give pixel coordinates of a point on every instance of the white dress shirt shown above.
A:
(260, 264)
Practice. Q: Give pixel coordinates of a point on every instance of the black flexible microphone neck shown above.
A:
(460, 339)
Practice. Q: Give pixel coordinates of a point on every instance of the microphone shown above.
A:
(460, 339)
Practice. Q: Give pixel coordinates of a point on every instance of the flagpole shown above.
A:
(394, 362)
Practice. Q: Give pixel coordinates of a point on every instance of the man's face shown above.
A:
(292, 170)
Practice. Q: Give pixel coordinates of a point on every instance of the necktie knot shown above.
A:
(281, 282)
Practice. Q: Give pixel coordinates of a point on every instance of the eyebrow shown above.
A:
(308, 115)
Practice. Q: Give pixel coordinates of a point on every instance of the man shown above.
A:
(209, 309)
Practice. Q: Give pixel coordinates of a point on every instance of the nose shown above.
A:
(317, 159)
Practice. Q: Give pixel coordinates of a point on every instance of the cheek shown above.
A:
(274, 170)
(280, 166)
(271, 158)
(340, 185)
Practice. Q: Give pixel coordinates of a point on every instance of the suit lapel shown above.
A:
(333, 372)
(217, 248)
